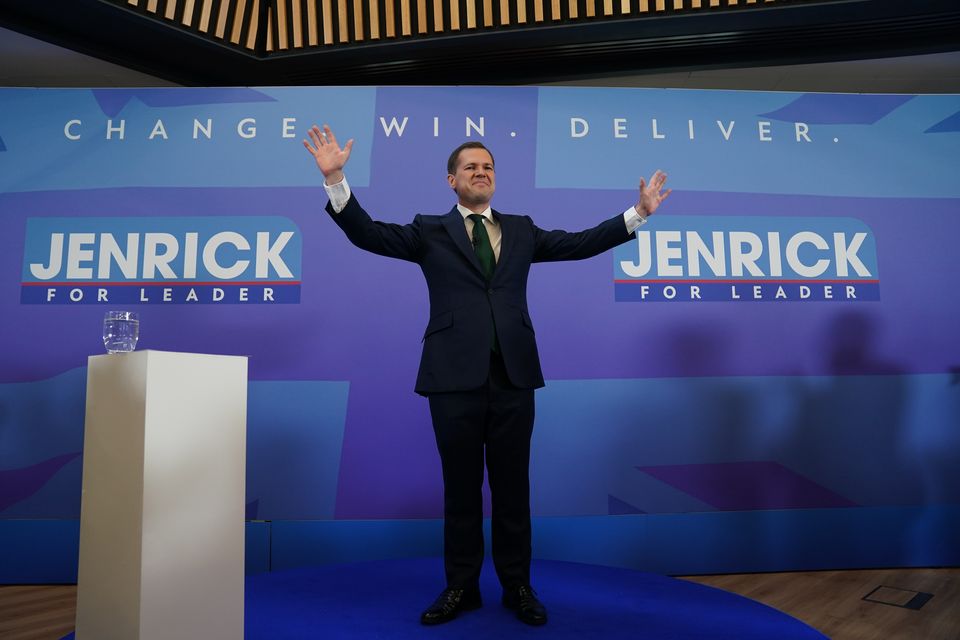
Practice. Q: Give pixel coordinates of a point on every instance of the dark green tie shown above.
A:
(481, 244)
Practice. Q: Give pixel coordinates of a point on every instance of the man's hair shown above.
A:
(452, 161)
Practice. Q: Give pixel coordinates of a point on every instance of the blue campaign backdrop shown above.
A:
(770, 373)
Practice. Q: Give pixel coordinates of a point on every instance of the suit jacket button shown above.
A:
(490, 291)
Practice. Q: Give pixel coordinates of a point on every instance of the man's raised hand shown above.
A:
(650, 195)
(329, 156)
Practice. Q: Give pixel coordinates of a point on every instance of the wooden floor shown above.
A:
(831, 601)
(37, 612)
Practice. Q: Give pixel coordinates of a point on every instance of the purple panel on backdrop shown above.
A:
(112, 101)
(947, 125)
(20, 484)
(742, 486)
(836, 108)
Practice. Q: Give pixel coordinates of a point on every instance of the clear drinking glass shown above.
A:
(120, 331)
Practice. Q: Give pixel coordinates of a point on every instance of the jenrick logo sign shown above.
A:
(755, 259)
(161, 260)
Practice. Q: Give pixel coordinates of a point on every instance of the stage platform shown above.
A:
(384, 599)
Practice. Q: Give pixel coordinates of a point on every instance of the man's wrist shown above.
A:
(632, 219)
(339, 193)
(334, 177)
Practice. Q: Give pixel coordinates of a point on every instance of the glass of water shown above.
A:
(120, 331)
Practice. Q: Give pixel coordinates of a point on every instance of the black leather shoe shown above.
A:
(523, 600)
(449, 605)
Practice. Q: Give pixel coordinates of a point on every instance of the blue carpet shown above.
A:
(383, 600)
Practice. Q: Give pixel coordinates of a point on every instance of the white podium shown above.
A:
(162, 515)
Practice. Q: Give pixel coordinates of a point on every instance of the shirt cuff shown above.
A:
(633, 220)
(339, 194)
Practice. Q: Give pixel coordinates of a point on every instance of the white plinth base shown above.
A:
(162, 516)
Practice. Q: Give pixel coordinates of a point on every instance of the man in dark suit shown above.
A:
(480, 364)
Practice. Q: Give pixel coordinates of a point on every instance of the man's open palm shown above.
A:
(326, 151)
(652, 195)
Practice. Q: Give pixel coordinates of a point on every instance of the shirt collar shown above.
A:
(486, 213)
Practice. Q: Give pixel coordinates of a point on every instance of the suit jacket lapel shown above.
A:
(453, 223)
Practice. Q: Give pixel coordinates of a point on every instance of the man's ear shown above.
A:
(451, 180)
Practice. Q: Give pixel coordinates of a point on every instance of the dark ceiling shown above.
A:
(756, 35)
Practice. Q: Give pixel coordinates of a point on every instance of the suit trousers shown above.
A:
(492, 423)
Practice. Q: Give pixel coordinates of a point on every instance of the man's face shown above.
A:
(474, 180)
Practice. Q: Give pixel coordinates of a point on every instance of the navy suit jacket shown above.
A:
(457, 340)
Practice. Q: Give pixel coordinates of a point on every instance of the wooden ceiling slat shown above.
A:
(222, 18)
(405, 17)
(471, 14)
(344, 17)
(389, 19)
(326, 15)
(251, 24)
(358, 30)
(311, 16)
(296, 21)
(204, 25)
(187, 19)
(454, 15)
(270, 23)
(343, 22)
(421, 16)
(280, 22)
(374, 12)
(238, 14)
